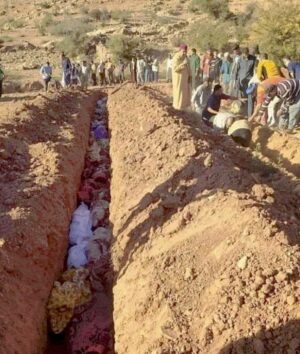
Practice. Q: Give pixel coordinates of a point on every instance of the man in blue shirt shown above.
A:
(214, 103)
(293, 67)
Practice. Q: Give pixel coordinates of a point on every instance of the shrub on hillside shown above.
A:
(122, 16)
(74, 44)
(209, 33)
(84, 10)
(4, 39)
(124, 47)
(100, 15)
(70, 26)
(12, 23)
(277, 28)
(45, 5)
(46, 21)
(215, 8)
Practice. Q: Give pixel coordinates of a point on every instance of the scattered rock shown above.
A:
(30, 66)
(242, 263)
(281, 276)
(189, 274)
(169, 333)
(291, 300)
(208, 161)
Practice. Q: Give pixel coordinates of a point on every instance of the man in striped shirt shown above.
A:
(288, 91)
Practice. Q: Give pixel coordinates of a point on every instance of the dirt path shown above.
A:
(42, 147)
(206, 237)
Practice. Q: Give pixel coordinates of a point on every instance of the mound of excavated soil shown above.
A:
(206, 253)
(42, 148)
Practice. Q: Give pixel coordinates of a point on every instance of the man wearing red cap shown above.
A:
(181, 75)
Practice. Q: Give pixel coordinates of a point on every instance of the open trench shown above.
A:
(80, 307)
(189, 267)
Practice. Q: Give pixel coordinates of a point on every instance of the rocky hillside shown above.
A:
(30, 32)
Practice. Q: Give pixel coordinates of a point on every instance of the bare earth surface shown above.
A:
(206, 251)
(42, 147)
(206, 234)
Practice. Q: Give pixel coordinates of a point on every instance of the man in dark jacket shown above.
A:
(244, 73)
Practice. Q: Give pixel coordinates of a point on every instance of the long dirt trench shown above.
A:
(205, 254)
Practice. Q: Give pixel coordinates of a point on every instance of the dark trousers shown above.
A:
(247, 108)
(102, 79)
(1, 87)
(94, 79)
(47, 83)
(111, 77)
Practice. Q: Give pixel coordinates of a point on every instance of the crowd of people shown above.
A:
(267, 93)
(142, 70)
(82, 74)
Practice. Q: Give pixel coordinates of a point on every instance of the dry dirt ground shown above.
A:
(206, 253)
(206, 234)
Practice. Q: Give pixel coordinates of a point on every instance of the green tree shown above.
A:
(209, 33)
(74, 44)
(277, 28)
(215, 8)
(46, 21)
(123, 47)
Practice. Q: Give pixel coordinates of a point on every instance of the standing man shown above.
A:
(94, 73)
(215, 66)
(244, 73)
(225, 72)
(110, 71)
(155, 70)
(181, 79)
(101, 71)
(233, 86)
(2, 77)
(85, 75)
(148, 70)
(169, 68)
(205, 66)
(141, 70)
(121, 71)
(288, 91)
(66, 67)
(46, 72)
(133, 70)
(195, 67)
(293, 67)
